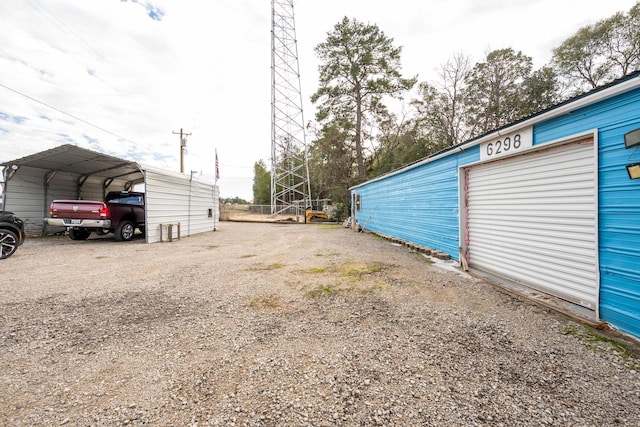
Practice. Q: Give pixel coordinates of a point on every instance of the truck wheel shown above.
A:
(8, 243)
(125, 231)
(79, 234)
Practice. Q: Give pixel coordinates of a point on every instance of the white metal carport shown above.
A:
(70, 172)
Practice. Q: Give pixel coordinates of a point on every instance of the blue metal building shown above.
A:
(546, 202)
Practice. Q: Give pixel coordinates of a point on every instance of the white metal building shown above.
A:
(70, 172)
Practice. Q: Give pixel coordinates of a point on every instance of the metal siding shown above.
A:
(620, 220)
(25, 198)
(201, 202)
(419, 205)
(532, 219)
(618, 198)
(173, 199)
(166, 203)
(619, 203)
(61, 187)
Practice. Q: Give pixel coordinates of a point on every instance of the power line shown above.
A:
(68, 114)
(63, 27)
(68, 32)
(29, 29)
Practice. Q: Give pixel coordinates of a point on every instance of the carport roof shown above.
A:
(80, 161)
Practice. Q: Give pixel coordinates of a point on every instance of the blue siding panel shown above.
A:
(419, 205)
(619, 202)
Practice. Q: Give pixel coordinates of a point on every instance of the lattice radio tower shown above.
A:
(290, 187)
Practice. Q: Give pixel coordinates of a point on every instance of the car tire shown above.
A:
(8, 243)
(79, 234)
(125, 231)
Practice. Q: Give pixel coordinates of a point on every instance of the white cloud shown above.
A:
(144, 69)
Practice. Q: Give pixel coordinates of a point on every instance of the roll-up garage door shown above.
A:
(533, 219)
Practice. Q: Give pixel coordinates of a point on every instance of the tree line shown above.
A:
(371, 120)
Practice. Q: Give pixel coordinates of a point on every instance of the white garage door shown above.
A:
(533, 219)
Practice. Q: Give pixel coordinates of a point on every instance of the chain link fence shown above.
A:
(260, 213)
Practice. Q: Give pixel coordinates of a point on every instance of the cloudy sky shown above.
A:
(121, 76)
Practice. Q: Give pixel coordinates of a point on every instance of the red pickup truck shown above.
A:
(120, 213)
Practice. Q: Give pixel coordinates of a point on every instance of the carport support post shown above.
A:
(45, 208)
(3, 188)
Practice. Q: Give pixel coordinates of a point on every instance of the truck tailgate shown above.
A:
(85, 209)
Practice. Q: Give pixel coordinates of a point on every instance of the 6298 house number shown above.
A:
(508, 144)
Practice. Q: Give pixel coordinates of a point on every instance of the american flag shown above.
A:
(217, 167)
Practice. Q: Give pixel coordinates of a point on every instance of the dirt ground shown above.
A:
(286, 324)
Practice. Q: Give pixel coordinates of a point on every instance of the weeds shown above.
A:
(261, 267)
(275, 266)
(348, 277)
(322, 291)
(601, 343)
(326, 254)
(357, 271)
(425, 258)
(266, 302)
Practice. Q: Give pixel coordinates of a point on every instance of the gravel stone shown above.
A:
(288, 325)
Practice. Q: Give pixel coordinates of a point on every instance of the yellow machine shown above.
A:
(312, 215)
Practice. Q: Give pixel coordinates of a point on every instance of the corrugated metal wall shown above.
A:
(64, 186)
(619, 203)
(25, 197)
(532, 219)
(173, 199)
(419, 205)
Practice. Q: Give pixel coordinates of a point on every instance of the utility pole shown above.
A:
(183, 147)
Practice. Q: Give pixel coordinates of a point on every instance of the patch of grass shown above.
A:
(265, 267)
(348, 277)
(357, 271)
(375, 288)
(248, 256)
(322, 291)
(425, 259)
(275, 266)
(262, 267)
(326, 254)
(601, 343)
(270, 302)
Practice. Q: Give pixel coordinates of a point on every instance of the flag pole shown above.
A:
(215, 184)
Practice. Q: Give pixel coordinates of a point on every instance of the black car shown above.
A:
(11, 233)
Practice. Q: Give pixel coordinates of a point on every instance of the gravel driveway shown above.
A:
(288, 325)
